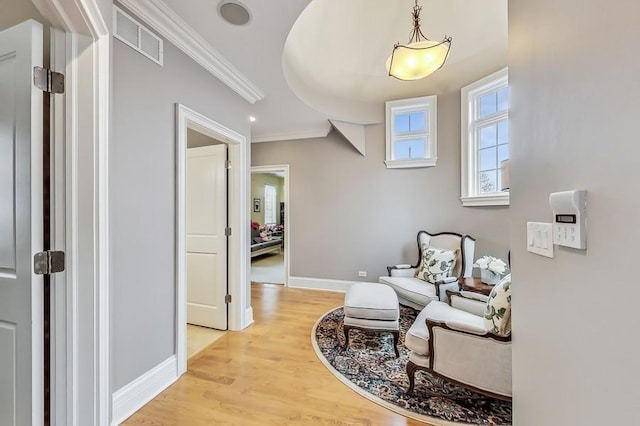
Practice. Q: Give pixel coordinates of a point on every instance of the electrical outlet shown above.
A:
(362, 273)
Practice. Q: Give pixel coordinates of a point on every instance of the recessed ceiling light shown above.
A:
(234, 12)
(252, 118)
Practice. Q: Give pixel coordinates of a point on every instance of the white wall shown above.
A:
(575, 89)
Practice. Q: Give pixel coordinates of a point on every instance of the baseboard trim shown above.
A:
(248, 317)
(324, 284)
(130, 398)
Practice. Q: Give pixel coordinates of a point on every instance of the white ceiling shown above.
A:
(334, 56)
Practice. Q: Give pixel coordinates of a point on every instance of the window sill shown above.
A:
(410, 164)
(499, 199)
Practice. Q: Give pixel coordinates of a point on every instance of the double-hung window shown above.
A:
(411, 132)
(485, 141)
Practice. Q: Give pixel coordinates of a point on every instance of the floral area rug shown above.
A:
(369, 367)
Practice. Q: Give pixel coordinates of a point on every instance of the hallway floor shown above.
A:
(267, 374)
(199, 338)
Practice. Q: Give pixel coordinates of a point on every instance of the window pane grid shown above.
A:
(411, 133)
(489, 173)
(487, 104)
(492, 148)
(410, 122)
(487, 181)
(492, 142)
(410, 149)
(485, 143)
(491, 102)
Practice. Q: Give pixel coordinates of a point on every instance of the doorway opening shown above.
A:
(270, 230)
(214, 161)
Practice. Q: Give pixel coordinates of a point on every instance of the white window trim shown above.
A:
(425, 102)
(469, 162)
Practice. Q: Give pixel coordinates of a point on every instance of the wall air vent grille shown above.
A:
(133, 34)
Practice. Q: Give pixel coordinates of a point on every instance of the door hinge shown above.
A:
(47, 80)
(227, 232)
(227, 164)
(227, 299)
(48, 262)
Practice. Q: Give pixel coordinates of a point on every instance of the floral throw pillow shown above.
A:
(436, 264)
(497, 314)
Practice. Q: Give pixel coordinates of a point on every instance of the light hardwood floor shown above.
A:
(267, 374)
(199, 338)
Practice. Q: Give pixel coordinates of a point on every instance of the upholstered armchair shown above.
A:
(417, 293)
(467, 342)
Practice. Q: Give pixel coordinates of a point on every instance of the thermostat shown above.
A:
(569, 218)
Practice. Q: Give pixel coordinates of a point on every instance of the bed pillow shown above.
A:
(437, 264)
(497, 314)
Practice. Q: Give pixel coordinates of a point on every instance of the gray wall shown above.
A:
(13, 12)
(196, 139)
(351, 213)
(574, 117)
(142, 197)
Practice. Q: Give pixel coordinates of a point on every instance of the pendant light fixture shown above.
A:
(420, 56)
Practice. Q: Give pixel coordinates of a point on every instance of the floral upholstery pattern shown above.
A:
(497, 314)
(436, 264)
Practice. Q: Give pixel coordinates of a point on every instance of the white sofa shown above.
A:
(417, 293)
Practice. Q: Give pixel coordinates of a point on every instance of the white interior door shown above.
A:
(206, 240)
(21, 216)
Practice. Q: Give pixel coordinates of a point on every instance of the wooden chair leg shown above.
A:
(411, 372)
(396, 337)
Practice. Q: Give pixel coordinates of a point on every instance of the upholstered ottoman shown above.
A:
(372, 307)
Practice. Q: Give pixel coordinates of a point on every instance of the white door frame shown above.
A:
(80, 199)
(287, 209)
(240, 312)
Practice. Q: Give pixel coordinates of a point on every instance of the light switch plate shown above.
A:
(540, 238)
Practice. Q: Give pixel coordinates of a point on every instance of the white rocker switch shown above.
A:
(539, 238)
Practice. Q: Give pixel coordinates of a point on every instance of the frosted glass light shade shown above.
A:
(417, 60)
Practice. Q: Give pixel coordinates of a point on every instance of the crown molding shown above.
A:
(301, 134)
(169, 25)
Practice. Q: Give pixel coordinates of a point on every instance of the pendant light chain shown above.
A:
(416, 33)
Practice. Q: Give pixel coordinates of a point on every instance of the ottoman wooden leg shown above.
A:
(346, 329)
(396, 337)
